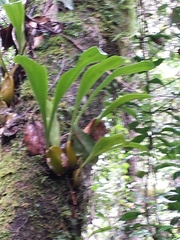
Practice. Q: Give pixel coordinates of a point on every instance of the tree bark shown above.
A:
(36, 204)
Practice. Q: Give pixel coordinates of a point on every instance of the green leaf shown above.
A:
(157, 81)
(168, 156)
(90, 56)
(139, 138)
(133, 125)
(158, 62)
(130, 111)
(130, 145)
(175, 220)
(175, 16)
(172, 196)
(174, 206)
(129, 216)
(15, 12)
(37, 76)
(143, 130)
(167, 164)
(130, 69)
(104, 229)
(54, 135)
(176, 175)
(141, 174)
(165, 142)
(164, 228)
(107, 143)
(169, 129)
(162, 7)
(82, 143)
(92, 74)
(121, 100)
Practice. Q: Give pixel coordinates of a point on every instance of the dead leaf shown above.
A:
(34, 138)
(9, 132)
(4, 111)
(11, 126)
(6, 36)
(95, 130)
(41, 20)
(37, 41)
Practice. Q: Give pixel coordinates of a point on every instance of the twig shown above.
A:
(63, 64)
(51, 30)
(73, 41)
(22, 225)
(73, 193)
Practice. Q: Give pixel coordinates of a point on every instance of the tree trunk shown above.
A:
(36, 204)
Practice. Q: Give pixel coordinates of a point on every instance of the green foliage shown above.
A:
(175, 16)
(108, 143)
(121, 100)
(129, 216)
(92, 74)
(15, 12)
(100, 230)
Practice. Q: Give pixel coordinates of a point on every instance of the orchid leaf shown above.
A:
(90, 56)
(108, 143)
(16, 14)
(121, 100)
(37, 76)
(90, 77)
(130, 69)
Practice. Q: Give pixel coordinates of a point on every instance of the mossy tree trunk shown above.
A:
(34, 203)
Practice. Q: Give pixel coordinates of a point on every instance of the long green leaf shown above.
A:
(136, 145)
(166, 164)
(90, 56)
(92, 74)
(104, 229)
(129, 216)
(15, 12)
(143, 130)
(121, 100)
(169, 129)
(164, 228)
(176, 174)
(130, 69)
(37, 75)
(108, 143)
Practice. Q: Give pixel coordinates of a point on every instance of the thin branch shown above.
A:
(63, 65)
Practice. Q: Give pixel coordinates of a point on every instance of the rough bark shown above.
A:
(35, 204)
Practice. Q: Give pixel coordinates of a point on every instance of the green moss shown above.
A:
(73, 23)
(26, 90)
(9, 168)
